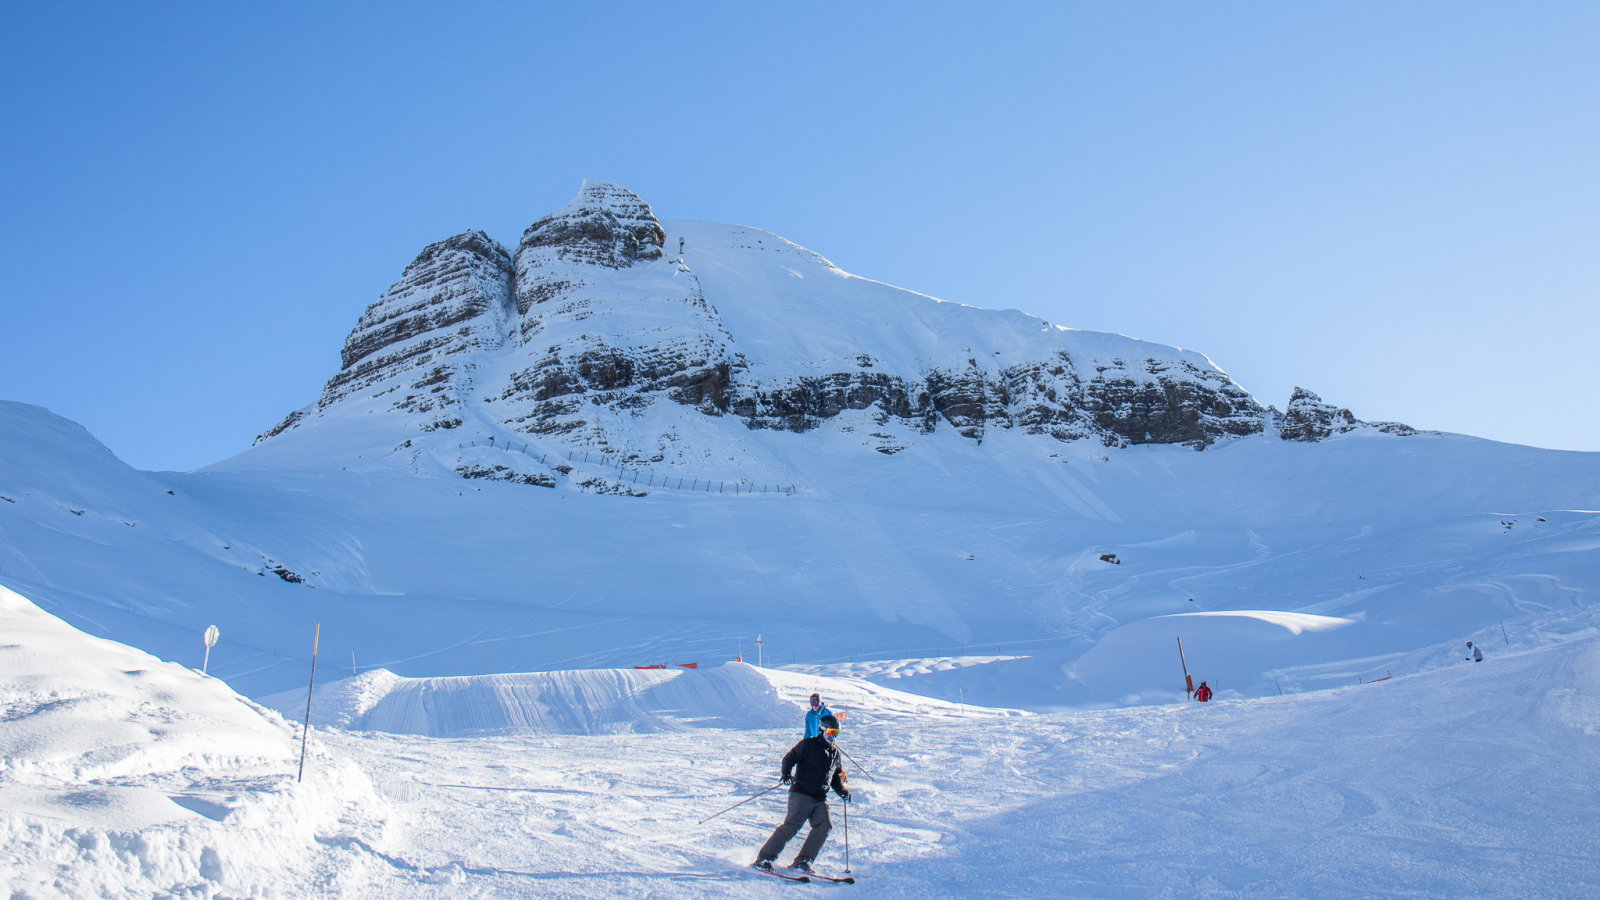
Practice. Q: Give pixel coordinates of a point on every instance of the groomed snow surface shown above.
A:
(125, 776)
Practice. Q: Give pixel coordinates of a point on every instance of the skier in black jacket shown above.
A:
(810, 768)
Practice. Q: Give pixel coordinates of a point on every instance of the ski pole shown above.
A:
(740, 803)
(858, 765)
(847, 835)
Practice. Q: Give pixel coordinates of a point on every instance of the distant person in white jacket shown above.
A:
(1474, 654)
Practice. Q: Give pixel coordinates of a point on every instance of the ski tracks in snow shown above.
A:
(1476, 781)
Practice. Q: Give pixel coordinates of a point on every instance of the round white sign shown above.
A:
(211, 636)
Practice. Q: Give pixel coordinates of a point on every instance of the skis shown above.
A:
(807, 878)
(776, 874)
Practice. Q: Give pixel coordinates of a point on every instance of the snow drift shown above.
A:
(122, 775)
(600, 701)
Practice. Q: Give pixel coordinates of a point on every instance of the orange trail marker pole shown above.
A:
(306, 730)
(1187, 681)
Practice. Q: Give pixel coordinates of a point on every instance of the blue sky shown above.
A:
(1394, 205)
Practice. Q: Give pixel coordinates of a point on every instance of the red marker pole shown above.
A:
(306, 730)
(1187, 681)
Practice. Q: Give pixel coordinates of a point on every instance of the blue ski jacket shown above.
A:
(814, 720)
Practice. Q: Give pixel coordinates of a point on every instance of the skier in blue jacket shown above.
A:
(814, 716)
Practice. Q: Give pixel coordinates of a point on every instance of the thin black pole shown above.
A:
(305, 730)
(858, 765)
(740, 803)
(1503, 632)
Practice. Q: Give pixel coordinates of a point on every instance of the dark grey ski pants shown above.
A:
(801, 808)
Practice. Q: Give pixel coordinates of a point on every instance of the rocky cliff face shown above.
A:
(605, 225)
(594, 328)
(1309, 419)
(419, 343)
(605, 323)
(1049, 396)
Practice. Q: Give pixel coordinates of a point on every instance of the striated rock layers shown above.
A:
(593, 325)
(1118, 402)
(419, 340)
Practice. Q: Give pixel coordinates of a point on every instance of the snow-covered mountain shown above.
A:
(607, 328)
(852, 471)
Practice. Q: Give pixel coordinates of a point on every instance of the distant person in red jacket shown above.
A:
(1203, 692)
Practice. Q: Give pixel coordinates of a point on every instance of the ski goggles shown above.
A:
(831, 732)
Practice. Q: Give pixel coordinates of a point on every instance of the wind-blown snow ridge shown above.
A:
(600, 701)
(1294, 623)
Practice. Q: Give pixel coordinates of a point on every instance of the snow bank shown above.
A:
(80, 709)
(122, 775)
(597, 701)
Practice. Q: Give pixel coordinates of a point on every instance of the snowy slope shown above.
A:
(422, 578)
(1476, 780)
(954, 548)
(121, 775)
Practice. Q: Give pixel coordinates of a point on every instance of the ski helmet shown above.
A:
(830, 722)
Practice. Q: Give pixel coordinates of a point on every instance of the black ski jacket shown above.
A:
(814, 764)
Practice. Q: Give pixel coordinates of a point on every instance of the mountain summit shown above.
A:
(611, 332)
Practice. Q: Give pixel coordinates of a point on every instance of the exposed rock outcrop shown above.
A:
(452, 300)
(1117, 404)
(417, 342)
(605, 225)
(1309, 419)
